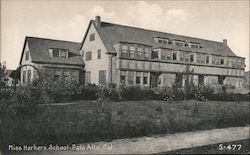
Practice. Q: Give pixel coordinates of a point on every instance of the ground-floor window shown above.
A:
(88, 77)
(57, 75)
(102, 77)
(200, 80)
(24, 76)
(145, 78)
(66, 75)
(29, 76)
(178, 79)
(138, 78)
(123, 77)
(130, 77)
(221, 79)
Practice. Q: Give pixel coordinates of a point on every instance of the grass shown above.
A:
(216, 149)
(85, 121)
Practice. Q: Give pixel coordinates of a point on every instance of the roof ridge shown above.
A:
(52, 39)
(162, 32)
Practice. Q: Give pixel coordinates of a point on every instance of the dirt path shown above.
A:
(157, 144)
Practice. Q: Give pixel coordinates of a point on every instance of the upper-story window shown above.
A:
(201, 58)
(222, 61)
(140, 52)
(207, 59)
(132, 52)
(27, 55)
(146, 53)
(166, 54)
(195, 45)
(88, 56)
(181, 56)
(124, 51)
(99, 52)
(63, 54)
(161, 40)
(154, 55)
(58, 53)
(192, 57)
(174, 56)
(92, 37)
(179, 44)
(186, 56)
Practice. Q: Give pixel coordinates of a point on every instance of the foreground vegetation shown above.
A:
(99, 113)
(85, 121)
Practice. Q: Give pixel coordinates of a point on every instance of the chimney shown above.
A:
(98, 21)
(225, 42)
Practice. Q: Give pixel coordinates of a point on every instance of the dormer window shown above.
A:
(58, 53)
(161, 40)
(194, 45)
(55, 53)
(179, 43)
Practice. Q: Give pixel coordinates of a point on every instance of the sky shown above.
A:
(68, 20)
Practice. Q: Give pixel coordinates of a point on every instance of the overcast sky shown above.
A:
(68, 20)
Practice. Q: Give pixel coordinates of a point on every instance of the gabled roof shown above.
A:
(39, 51)
(113, 33)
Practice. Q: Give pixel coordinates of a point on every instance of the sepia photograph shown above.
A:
(124, 77)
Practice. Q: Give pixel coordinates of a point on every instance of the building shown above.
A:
(112, 53)
(133, 56)
(53, 59)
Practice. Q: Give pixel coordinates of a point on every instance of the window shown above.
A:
(131, 51)
(168, 54)
(123, 77)
(207, 59)
(48, 74)
(139, 52)
(27, 54)
(178, 79)
(102, 77)
(99, 54)
(201, 58)
(221, 79)
(138, 78)
(29, 76)
(88, 56)
(179, 44)
(191, 57)
(88, 77)
(194, 46)
(145, 78)
(24, 76)
(163, 55)
(74, 75)
(229, 62)
(186, 56)
(181, 55)
(174, 56)
(146, 53)
(130, 77)
(57, 75)
(154, 55)
(56, 53)
(124, 51)
(92, 37)
(63, 54)
(222, 61)
(66, 75)
(216, 60)
(201, 80)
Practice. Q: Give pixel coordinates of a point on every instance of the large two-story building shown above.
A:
(112, 53)
(133, 56)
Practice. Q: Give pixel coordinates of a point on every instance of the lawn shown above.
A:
(85, 121)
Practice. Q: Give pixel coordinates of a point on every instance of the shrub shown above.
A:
(167, 95)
